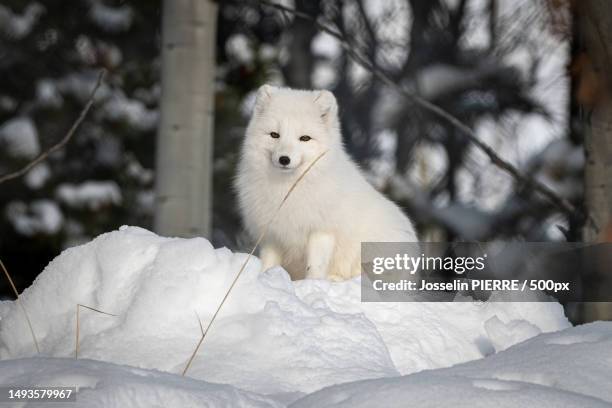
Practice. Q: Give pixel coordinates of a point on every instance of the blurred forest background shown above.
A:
(515, 71)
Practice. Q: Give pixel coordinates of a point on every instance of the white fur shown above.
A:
(319, 230)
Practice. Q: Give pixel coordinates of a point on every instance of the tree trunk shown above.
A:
(595, 32)
(185, 137)
(298, 70)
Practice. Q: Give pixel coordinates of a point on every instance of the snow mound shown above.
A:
(421, 336)
(502, 336)
(265, 338)
(102, 384)
(571, 368)
(272, 336)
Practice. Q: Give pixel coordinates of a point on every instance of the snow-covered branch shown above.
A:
(43, 156)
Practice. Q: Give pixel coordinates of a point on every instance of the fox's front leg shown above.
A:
(319, 254)
(270, 256)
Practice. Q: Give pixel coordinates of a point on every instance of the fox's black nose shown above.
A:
(284, 160)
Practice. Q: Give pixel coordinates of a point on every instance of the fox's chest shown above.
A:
(292, 217)
(298, 214)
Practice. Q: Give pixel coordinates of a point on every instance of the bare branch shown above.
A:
(493, 9)
(43, 156)
(560, 202)
(369, 28)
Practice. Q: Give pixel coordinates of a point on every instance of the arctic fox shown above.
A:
(318, 232)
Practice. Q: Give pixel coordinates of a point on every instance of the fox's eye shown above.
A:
(305, 138)
(274, 135)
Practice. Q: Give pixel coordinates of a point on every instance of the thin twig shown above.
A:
(536, 185)
(246, 261)
(8, 276)
(78, 324)
(43, 156)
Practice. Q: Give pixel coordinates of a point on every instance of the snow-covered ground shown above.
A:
(103, 384)
(276, 342)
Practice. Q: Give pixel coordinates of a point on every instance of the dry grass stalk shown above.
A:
(246, 261)
(197, 347)
(78, 309)
(20, 305)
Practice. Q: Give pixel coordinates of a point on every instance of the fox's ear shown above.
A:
(327, 104)
(263, 97)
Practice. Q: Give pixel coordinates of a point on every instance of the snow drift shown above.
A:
(104, 385)
(273, 336)
(571, 368)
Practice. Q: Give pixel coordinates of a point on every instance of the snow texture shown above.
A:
(111, 19)
(504, 335)
(120, 109)
(47, 94)
(91, 195)
(531, 374)
(18, 26)
(38, 176)
(273, 336)
(80, 85)
(109, 385)
(38, 217)
(324, 45)
(19, 138)
(266, 339)
(571, 368)
(239, 47)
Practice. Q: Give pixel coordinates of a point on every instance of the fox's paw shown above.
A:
(336, 278)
